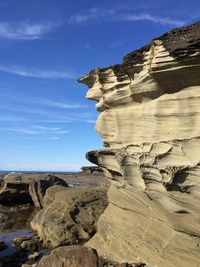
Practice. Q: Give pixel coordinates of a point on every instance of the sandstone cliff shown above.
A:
(150, 125)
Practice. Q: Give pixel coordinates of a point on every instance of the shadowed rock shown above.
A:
(16, 189)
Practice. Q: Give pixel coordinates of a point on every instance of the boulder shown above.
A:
(149, 122)
(70, 256)
(27, 243)
(16, 189)
(69, 215)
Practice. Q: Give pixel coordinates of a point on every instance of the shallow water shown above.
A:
(7, 237)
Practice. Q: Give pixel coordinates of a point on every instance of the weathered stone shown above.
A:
(34, 256)
(70, 256)
(29, 265)
(69, 215)
(91, 170)
(30, 245)
(16, 217)
(18, 240)
(18, 189)
(149, 122)
(27, 243)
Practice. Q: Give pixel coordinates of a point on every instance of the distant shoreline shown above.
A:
(37, 172)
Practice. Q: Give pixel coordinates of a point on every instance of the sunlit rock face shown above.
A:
(150, 125)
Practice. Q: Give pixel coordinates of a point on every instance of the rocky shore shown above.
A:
(41, 212)
(57, 222)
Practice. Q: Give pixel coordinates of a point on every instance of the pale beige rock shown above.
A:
(150, 124)
(69, 215)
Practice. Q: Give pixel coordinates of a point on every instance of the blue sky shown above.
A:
(45, 45)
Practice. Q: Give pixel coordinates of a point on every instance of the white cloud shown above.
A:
(44, 128)
(37, 131)
(45, 138)
(98, 14)
(90, 121)
(44, 102)
(55, 104)
(24, 31)
(36, 73)
(148, 17)
(20, 130)
(91, 14)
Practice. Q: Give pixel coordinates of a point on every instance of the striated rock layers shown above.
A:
(150, 125)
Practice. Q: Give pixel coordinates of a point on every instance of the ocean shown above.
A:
(36, 172)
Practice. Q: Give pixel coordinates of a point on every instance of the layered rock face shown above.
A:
(150, 125)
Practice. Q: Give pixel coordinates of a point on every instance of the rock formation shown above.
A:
(69, 215)
(150, 125)
(91, 170)
(78, 256)
(16, 189)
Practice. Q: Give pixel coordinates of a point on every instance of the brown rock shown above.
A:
(26, 243)
(16, 189)
(69, 215)
(91, 170)
(70, 256)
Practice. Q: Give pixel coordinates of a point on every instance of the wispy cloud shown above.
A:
(39, 127)
(35, 130)
(99, 14)
(56, 104)
(37, 73)
(51, 117)
(148, 17)
(37, 101)
(24, 30)
(71, 117)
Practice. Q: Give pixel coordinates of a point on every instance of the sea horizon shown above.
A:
(37, 172)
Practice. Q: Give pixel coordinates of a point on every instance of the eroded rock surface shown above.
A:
(16, 189)
(91, 170)
(79, 256)
(150, 125)
(69, 215)
(70, 256)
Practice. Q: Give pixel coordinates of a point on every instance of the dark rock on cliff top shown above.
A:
(178, 42)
